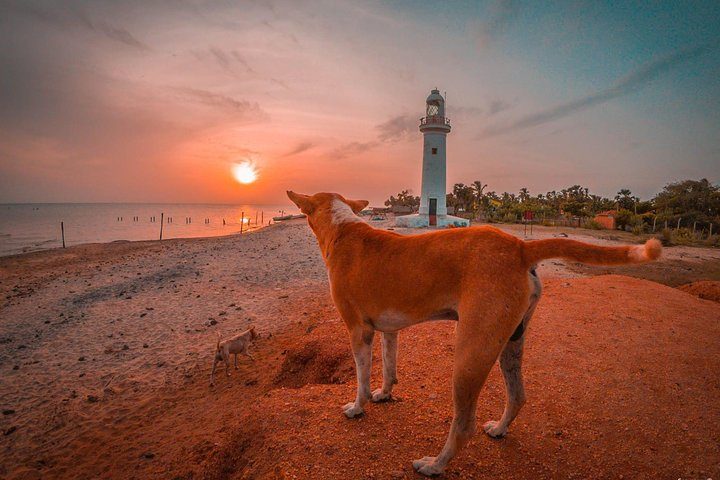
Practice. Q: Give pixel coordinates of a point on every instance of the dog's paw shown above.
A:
(428, 466)
(351, 411)
(494, 429)
(380, 396)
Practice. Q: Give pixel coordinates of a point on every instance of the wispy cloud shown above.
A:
(397, 128)
(497, 106)
(227, 60)
(500, 14)
(119, 35)
(630, 83)
(300, 148)
(245, 109)
(353, 148)
(72, 18)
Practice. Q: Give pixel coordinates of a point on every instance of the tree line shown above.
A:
(687, 203)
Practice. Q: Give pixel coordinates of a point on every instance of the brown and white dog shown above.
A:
(234, 346)
(480, 276)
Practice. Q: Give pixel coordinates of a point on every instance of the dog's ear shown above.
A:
(303, 202)
(357, 205)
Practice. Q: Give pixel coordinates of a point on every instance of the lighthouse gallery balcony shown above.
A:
(434, 120)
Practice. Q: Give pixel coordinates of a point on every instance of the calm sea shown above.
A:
(30, 227)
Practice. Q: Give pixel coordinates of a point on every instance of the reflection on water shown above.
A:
(29, 227)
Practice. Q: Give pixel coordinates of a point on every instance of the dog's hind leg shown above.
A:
(361, 338)
(511, 365)
(236, 367)
(389, 355)
(479, 340)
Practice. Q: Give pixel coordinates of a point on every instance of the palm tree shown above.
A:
(478, 189)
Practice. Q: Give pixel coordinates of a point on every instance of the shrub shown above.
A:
(638, 229)
(509, 218)
(593, 225)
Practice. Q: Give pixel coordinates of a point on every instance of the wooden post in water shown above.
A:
(242, 221)
(162, 215)
(256, 215)
(262, 217)
(62, 231)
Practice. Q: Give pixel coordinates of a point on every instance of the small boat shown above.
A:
(288, 217)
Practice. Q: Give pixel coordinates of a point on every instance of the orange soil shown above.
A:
(706, 289)
(621, 374)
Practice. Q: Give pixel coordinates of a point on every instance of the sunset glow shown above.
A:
(244, 172)
(539, 97)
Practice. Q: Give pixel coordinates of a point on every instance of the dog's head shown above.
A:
(326, 209)
(253, 334)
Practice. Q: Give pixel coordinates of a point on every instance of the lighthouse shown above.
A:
(435, 127)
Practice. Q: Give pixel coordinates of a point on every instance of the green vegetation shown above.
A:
(685, 212)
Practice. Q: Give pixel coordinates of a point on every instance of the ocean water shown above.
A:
(30, 227)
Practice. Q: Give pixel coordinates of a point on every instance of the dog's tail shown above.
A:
(536, 250)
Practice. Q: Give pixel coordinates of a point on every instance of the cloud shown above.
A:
(353, 148)
(397, 128)
(497, 106)
(226, 60)
(72, 18)
(501, 13)
(245, 108)
(300, 148)
(119, 35)
(628, 84)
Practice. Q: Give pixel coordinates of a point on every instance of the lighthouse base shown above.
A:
(422, 221)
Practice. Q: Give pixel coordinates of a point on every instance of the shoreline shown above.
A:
(123, 241)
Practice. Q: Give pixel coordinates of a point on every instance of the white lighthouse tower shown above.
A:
(433, 209)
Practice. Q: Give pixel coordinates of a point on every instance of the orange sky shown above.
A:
(153, 102)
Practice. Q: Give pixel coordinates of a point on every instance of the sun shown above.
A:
(244, 172)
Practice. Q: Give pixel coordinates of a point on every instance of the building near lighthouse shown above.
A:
(435, 127)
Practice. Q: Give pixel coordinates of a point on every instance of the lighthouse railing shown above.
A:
(434, 120)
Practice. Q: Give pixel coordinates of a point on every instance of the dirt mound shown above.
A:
(316, 362)
(617, 386)
(705, 289)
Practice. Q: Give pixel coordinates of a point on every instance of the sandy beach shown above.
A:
(106, 350)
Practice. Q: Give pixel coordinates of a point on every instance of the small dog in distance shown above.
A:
(236, 345)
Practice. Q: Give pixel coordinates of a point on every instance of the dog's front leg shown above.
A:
(212, 373)
(389, 353)
(361, 338)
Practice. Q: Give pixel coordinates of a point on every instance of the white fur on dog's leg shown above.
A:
(494, 429)
(427, 466)
(380, 395)
(351, 411)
